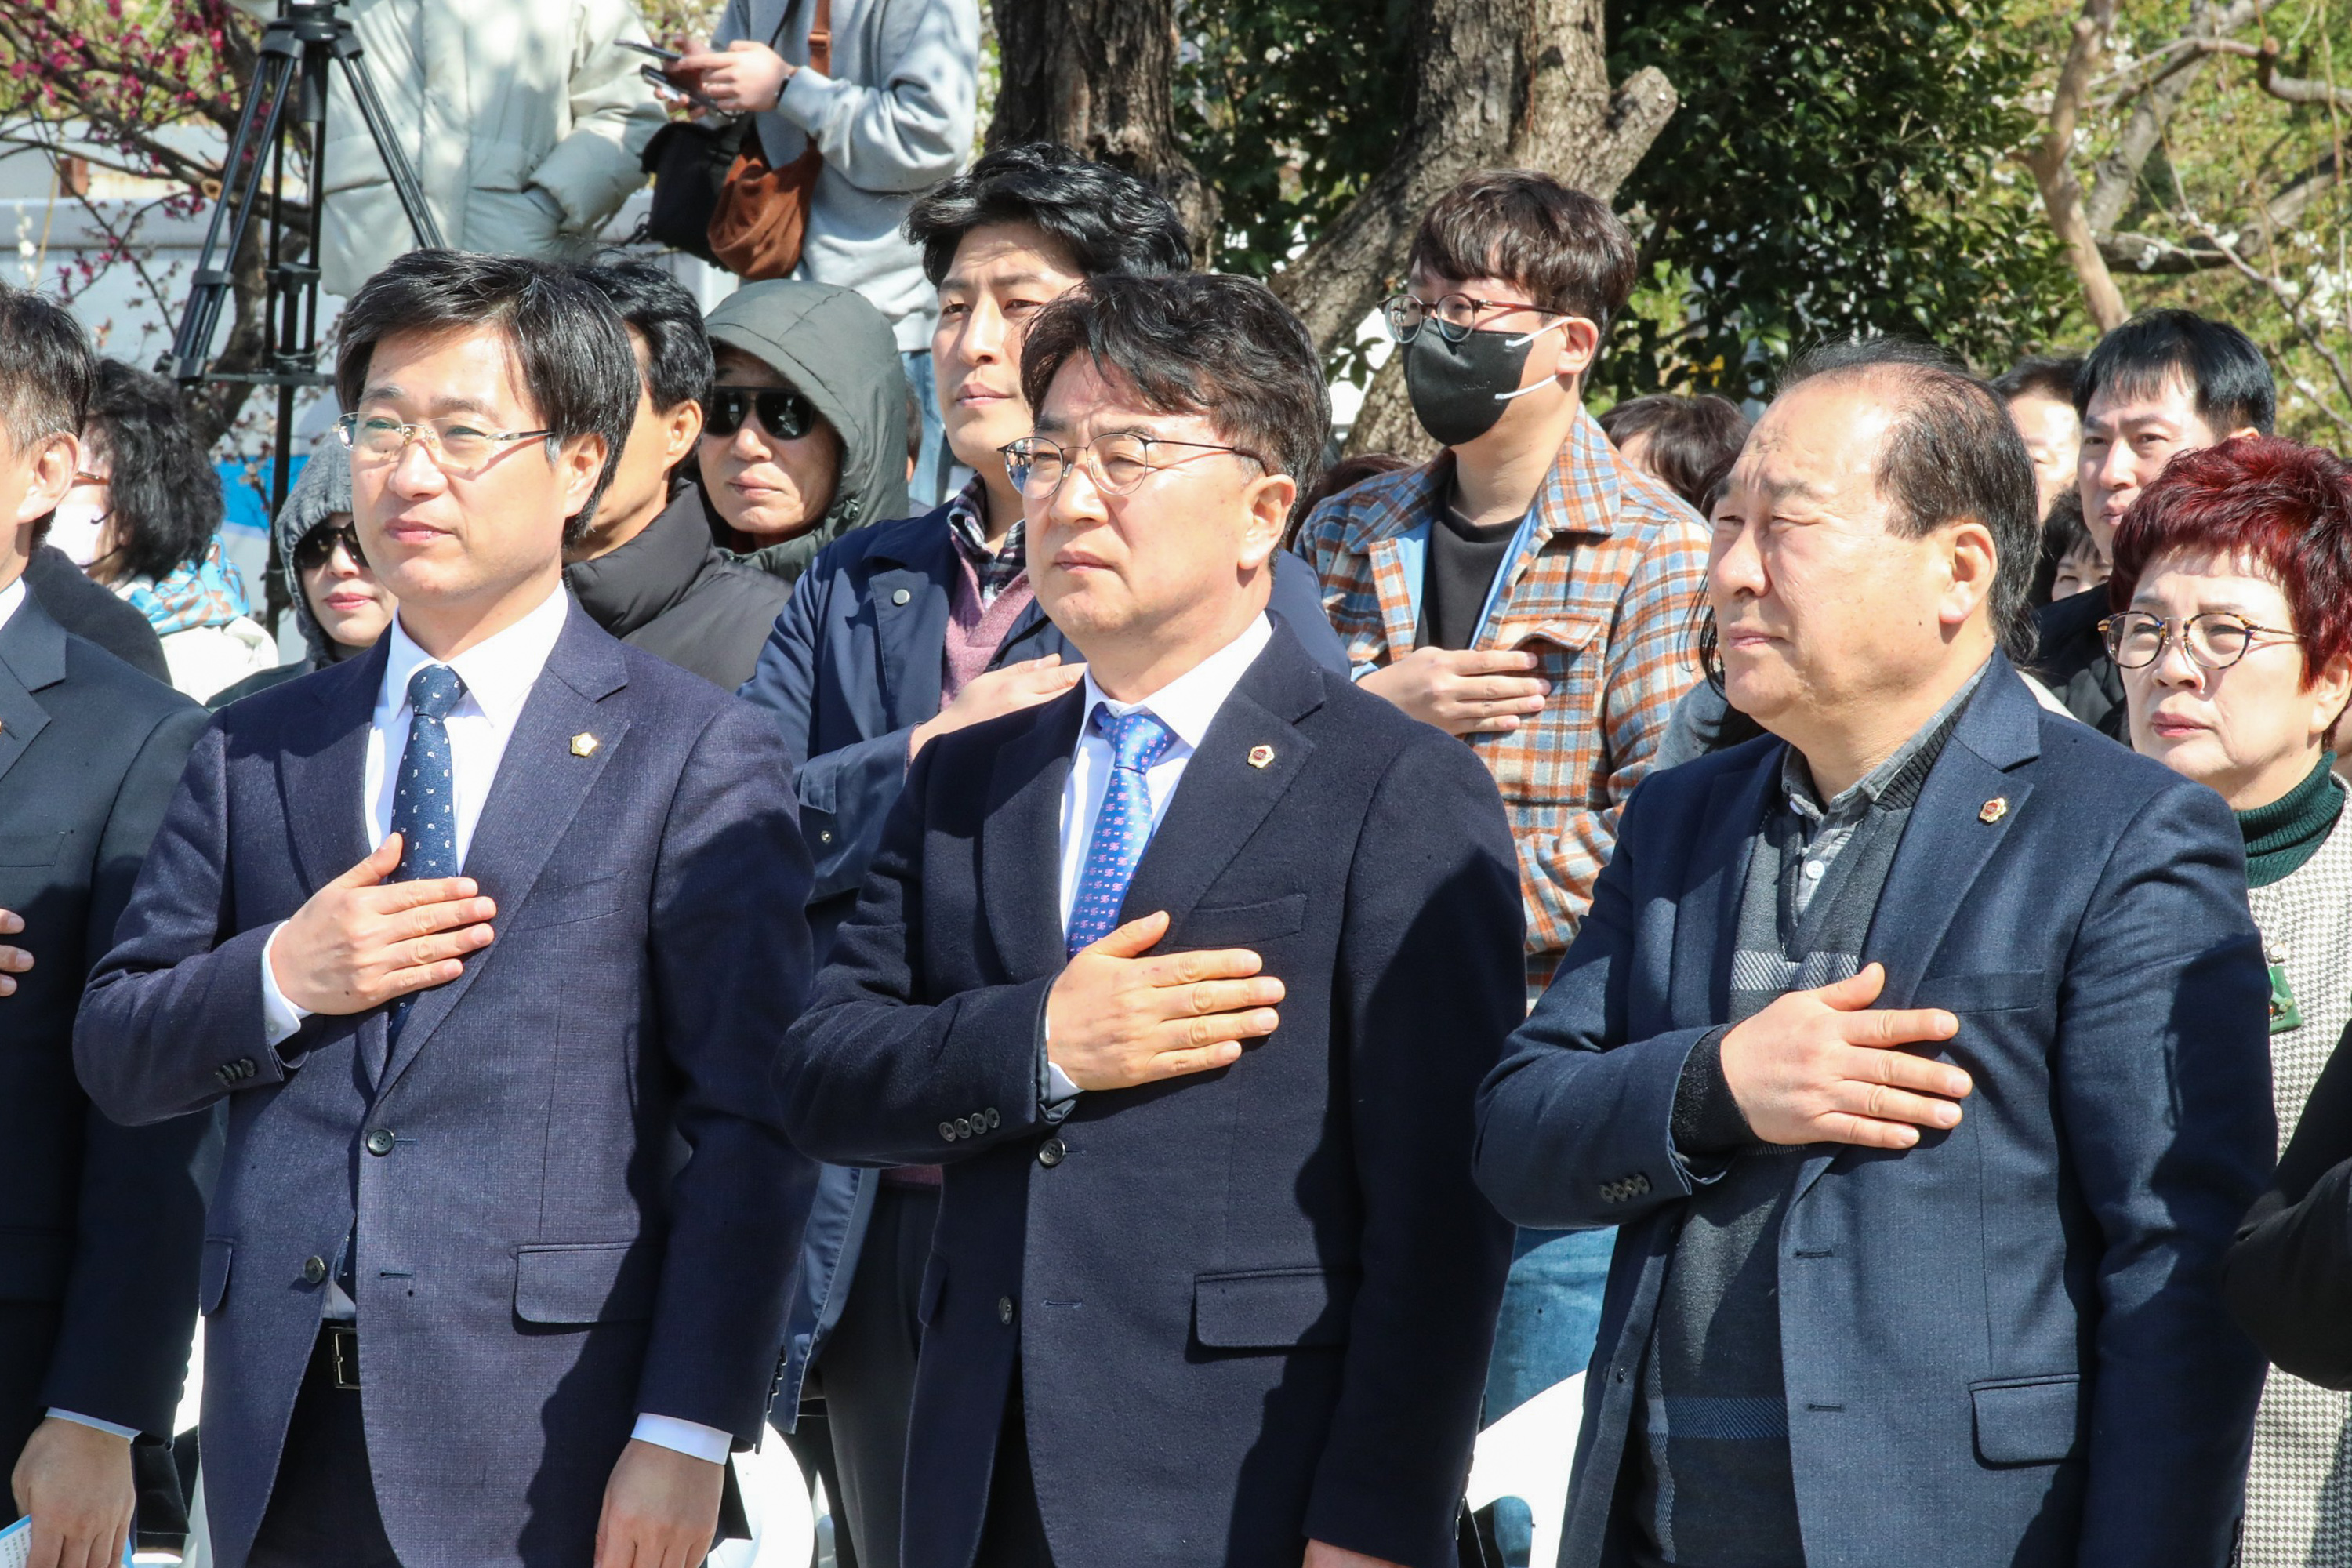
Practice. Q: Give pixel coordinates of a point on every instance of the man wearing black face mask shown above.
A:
(1527, 590)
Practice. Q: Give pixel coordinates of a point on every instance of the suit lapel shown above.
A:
(322, 769)
(1021, 840)
(538, 789)
(32, 652)
(1707, 920)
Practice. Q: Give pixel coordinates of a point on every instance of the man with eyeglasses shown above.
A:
(1187, 978)
(487, 940)
(901, 634)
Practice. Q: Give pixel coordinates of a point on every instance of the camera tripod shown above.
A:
(289, 97)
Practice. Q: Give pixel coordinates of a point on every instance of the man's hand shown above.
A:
(12, 960)
(747, 77)
(1322, 1554)
(661, 1509)
(361, 941)
(1822, 1067)
(1462, 691)
(74, 1483)
(998, 692)
(1114, 1020)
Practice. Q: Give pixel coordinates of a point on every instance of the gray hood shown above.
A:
(837, 352)
(321, 490)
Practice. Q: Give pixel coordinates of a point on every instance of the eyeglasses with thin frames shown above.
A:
(1117, 464)
(1456, 315)
(2216, 639)
(452, 448)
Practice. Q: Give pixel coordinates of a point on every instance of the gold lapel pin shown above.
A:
(584, 744)
(1260, 756)
(1994, 809)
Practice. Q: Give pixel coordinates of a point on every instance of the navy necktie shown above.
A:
(1123, 827)
(424, 801)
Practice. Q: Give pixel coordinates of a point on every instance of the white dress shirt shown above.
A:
(499, 672)
(1187, 705)
(11, 597)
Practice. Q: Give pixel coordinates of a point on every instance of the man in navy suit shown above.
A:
(99, 1223)
(488, 940)
(1918, 1051)
(1186, 977)
(909, 630)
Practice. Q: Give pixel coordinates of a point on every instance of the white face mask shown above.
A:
(76, 527)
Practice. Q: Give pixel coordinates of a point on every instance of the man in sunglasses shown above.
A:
(1188, 977)
(909, 631)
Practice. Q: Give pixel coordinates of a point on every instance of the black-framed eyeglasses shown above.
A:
(781, 412)
(318, 547)
(2216, 639)
(1456, 315)
(1115, 464)
(453, 448)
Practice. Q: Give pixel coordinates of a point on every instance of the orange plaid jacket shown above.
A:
(1606, 586)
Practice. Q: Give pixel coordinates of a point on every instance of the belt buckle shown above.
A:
(343, 1346)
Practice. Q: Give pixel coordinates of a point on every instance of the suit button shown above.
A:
(825, 836)
(1005, 1309)
(1050, 1152)
(244, 1067)
(963, 1126)
(990, 1114)
(901, 597)
(948, 1131)
(314, 1271)
(379, 1143)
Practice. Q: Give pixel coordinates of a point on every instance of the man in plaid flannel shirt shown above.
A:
(1526, 589)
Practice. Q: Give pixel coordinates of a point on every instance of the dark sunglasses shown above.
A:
(319, 545)
(785, 414)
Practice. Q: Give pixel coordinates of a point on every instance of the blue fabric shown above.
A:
(1312, 1339)
(1551, 1312)
(587, 1209)
(2007, 1345)
(853, 664)
(207, 593)
(424, 797)
(1123, 825)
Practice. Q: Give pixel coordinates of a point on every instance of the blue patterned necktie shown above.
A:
(1123, 826)
(424, 802)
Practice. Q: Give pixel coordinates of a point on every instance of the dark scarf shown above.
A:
(2282, 836)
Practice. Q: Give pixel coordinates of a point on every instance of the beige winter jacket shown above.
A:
(523, 119)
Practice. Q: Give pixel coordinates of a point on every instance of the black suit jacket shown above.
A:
(87, 610)
(104, 1221)
(1248, 1307)
(2290, 1271)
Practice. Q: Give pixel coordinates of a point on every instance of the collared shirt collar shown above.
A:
(498, 671)
(967, 526)
(1189, 704)
(1797, 777)
(10, 597)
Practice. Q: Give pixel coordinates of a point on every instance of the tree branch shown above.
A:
(2062, 193)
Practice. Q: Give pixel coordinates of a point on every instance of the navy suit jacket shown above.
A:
(99, 1220)
(1246, 1306)
(2008, 1343)
(585, 1208)
(851, 667)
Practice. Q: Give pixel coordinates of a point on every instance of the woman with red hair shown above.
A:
(2232, 628)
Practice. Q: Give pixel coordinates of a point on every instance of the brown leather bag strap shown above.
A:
(820, 39)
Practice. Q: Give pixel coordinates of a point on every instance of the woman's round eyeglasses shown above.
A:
(2215, 639)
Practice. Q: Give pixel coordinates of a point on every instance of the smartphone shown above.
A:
(668, 57)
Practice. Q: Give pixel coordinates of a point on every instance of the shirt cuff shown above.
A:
(128, 1434)
(1057, 1095)
(279, 1017)
(691, 1439)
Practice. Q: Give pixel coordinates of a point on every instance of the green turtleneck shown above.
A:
(2282, 836)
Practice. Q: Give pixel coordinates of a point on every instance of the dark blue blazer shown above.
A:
(99, 1221)
(585, 1208)
(2007, 1345)
(853, 664)
(1248, 1307)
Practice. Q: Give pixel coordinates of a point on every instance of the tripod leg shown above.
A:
(404, 182)
(241, 180)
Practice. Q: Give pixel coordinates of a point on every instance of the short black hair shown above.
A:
(2039, 376)
(2222, 365)
(1566, 248)
(1694, 441)
(48, 369)
(1196, 342)
(1952, 452)
(1112, 224)
(567, 340)
(658, 310)
(163, 495)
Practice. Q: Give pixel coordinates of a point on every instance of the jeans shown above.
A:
(931, 457)
(1550, 1318)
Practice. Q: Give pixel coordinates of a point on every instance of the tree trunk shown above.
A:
(1100, 76)
(1524, 83)
(2062, 193)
